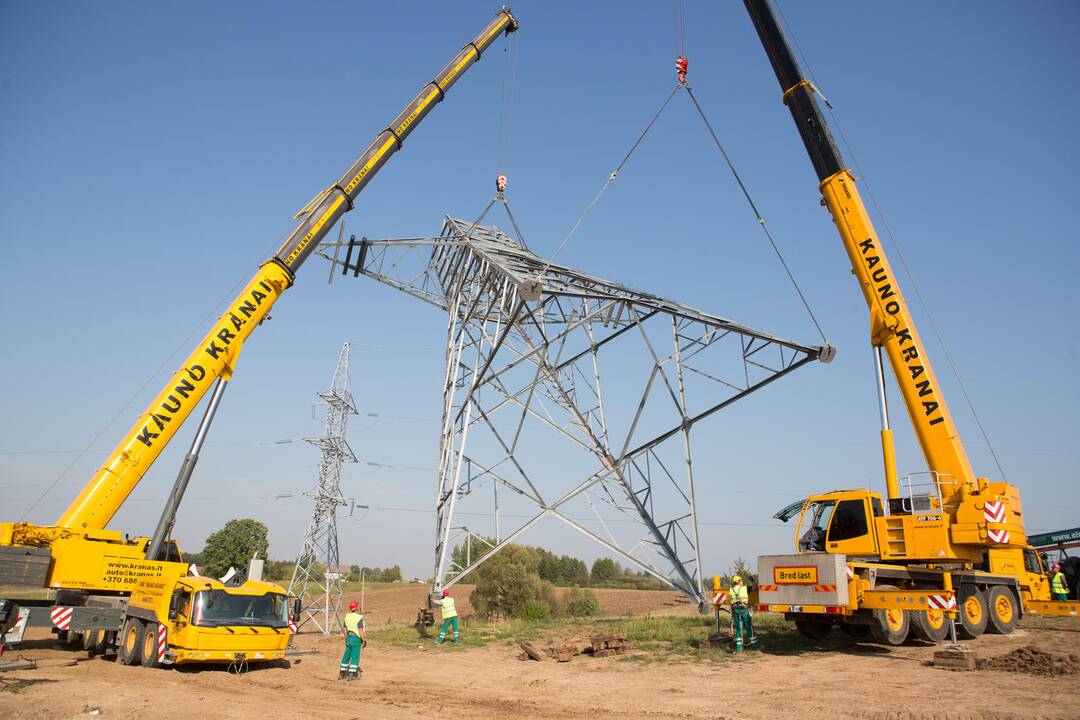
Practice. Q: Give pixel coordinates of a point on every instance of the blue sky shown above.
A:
(152, 155)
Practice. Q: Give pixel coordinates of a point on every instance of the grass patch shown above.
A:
(652, 639)
(474, 633)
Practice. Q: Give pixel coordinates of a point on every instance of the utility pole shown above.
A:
(316, 578)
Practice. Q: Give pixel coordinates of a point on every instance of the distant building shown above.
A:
(337, 572)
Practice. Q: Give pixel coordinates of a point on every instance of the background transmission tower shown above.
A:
(316, 578)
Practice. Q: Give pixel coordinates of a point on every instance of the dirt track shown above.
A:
(847, 681)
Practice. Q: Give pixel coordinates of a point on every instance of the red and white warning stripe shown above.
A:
(767, 587)
(162, 642)
(994, 511)
(719, 598)
(850, 572)
(61, 617)
(292, 626)
(998, 536)
(824, 588)
(941, 602)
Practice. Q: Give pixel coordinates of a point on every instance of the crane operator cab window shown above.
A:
(840, 526)
(819, 512)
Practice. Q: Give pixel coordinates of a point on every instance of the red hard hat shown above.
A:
(446, 593)
(354, 605)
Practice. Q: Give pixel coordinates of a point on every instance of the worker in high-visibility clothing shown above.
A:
(354, 641)
(740, 614)
(449, 617)
(1058, 589)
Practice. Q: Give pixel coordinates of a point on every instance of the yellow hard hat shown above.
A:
(736, 578)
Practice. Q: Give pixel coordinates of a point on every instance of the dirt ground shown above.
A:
(834, 680)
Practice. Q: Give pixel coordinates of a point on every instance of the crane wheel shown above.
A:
(149, 646)
(130, 641)
(1002, 615)
(813, 629)
(890, 626)
(87, 639)
(929, 625)
(972, 612)
(98, 642)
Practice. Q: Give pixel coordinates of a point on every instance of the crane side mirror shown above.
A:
(296, 610)
(176, 603)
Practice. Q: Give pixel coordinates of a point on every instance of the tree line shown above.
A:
(242, 539)
(559, 570)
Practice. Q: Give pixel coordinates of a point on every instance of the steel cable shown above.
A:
(760, 219)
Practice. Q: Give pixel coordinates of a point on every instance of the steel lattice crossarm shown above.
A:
(526, 345)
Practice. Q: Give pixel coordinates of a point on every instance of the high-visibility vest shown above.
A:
(354, 622)
(448, 609)
(739, 594)
(1057, 583)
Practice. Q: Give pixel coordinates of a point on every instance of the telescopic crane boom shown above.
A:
(891, 325)
(216, 354)
(77, 552)
(132, 593)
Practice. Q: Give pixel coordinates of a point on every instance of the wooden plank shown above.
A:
(8, 665)
(532, 651)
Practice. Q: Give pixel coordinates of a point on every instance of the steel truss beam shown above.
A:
(526, 340)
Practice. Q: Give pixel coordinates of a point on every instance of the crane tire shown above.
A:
(130, 641)
(890, 626)
(929, 625)
(149, 655)
(98, 642)
(972, 612)
(1002, 612)
(813, 629)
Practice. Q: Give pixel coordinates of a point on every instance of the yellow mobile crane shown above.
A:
(135, 593)
(935, 532)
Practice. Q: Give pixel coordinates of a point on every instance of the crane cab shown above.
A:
(920, 527)
(837, 522)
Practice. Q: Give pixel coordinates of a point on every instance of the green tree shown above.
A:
(605, 570)
(233, 545)
(278, 569)
(581, 602)
(549, 568)
(743, 570)
(509, 583)
(573, 571)
(471, 550)
(391, 574)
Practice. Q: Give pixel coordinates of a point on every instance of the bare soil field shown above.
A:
(483, 678)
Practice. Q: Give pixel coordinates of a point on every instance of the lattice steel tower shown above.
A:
(316, 578)
(575, 394)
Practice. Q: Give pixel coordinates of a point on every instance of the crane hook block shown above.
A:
(500, 183)
(682, 65)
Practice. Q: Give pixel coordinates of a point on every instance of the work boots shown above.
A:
(353, 674)
(342, 674)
